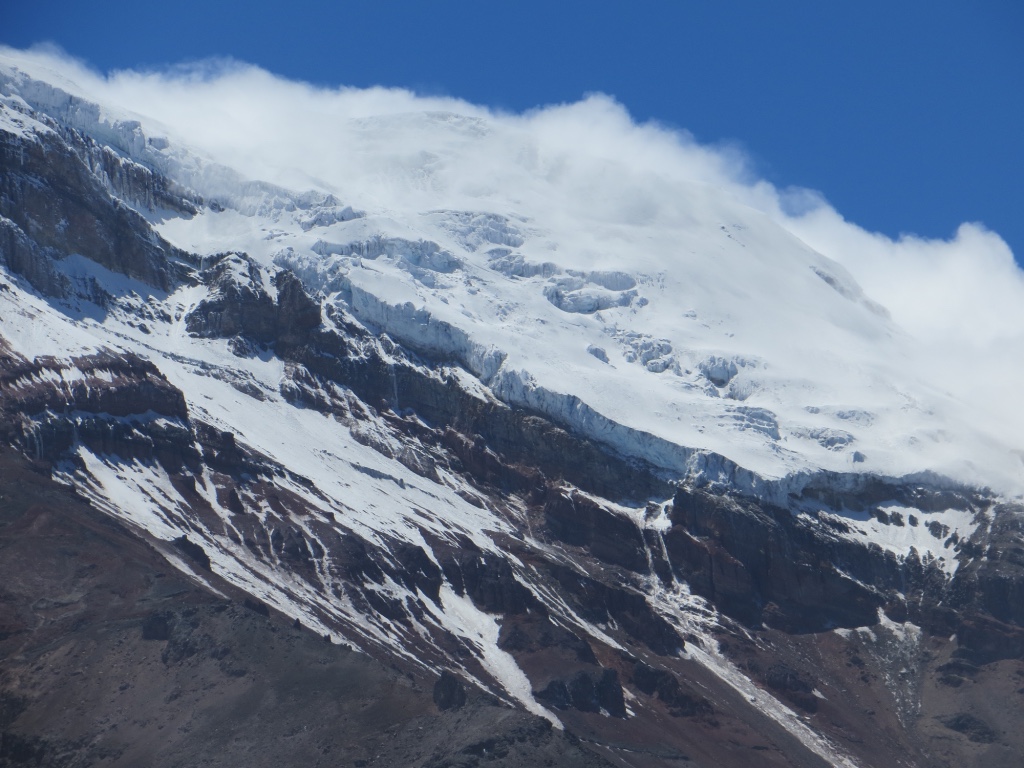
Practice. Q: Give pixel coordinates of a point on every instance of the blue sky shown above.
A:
(907, 116)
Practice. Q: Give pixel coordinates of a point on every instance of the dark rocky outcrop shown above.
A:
(193, 552)
(449, 692)
(992, 581)
(666, 686)
(974, 728)
(57, 207)
(115, 404)
(576, 519)
(127, 180)
(541, 634)
(983, 639)
(602, 603)
(297, 314)
(418, 571)
(157, 626)
(791, 685)
(240, 306)
(490, 582)
(120, 385)
(759, 563)
(586, 691)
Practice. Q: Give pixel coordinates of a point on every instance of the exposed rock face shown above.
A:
(577, 520)
(752, 560)
(449, 692)
(665, 685)
(240, 308)
(297, 313)
(238, 303)
(129, 181)
(54, 206)
(114, 404)
(586, 694)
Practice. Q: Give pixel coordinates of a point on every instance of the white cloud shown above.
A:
(561, 165)
(963, 289)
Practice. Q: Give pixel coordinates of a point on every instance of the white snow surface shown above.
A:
(932, 536)
(660, 315)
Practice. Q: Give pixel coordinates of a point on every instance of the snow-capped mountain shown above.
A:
(591, 441)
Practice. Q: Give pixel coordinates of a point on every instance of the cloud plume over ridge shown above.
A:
(589, 159)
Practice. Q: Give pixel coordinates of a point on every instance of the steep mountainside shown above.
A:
(290, 478)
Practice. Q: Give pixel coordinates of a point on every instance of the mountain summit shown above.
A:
(570, 454)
